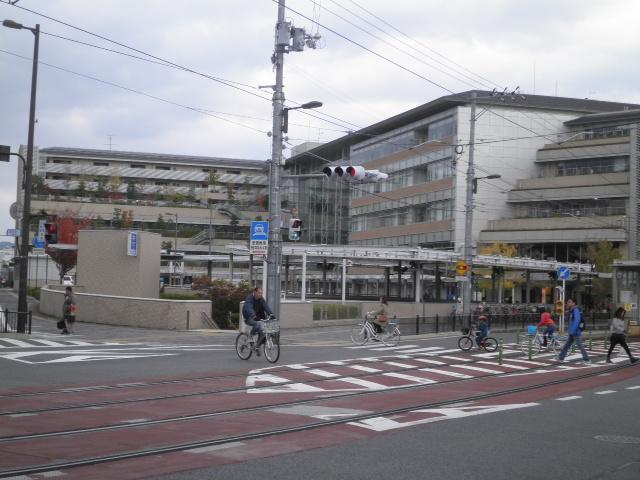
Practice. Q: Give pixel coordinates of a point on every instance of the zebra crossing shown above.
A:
(411, 365)
(52, 349)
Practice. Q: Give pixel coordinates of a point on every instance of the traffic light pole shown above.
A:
(274, 253)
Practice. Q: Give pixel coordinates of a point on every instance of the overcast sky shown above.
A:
(585, 48)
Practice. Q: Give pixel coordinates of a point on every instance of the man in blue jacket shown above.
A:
(255, 309)
(575, 333)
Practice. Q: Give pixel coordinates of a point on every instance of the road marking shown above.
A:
(605, 392)
(401, 365)
(49, 343)
(515, 367)
(477, 369)
(635, 387)
(432, 362)
(527, 361)
(17, 343)
(265, 377)
(364, 369)
(364, 383)
(411, 378)
(459, 359)
(381, 424)
(386, 349)
(215, 448)
(322, 373)
(450, 350)
(446, 372)
(566, 399)
(416, 350)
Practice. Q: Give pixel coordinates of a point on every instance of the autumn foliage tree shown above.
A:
(63, 253)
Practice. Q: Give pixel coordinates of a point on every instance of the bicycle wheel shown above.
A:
(272, 348)
(359, 334)
(535, 345)
(243, 348)
(392, 338)
(553, 344)
(465, 343)
(490, 344)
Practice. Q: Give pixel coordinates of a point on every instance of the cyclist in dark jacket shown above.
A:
(256, 308)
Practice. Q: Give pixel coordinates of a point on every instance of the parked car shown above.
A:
(67, 280)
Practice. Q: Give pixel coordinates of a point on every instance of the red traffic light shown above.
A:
(51, 235)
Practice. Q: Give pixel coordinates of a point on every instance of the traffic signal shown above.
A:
(51, 233)
(355, 173)
(559, 307)
(295, 226)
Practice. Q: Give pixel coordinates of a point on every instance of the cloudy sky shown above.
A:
(94, 98)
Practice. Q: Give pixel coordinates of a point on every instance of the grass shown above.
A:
(183, 296)
(34, 292)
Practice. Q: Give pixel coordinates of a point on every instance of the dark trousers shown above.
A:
(618, 338)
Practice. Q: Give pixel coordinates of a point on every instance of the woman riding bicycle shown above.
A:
(547, 322)
(380, 317)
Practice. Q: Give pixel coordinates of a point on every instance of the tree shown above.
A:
(225, 298)
(497, 273)
(166, 245)
(213, 181)
(127, 219)
(99, 223)
(63, 254)
(161, 223)
(132, 190)
(101, 189)
(116, 218)
(602, 254)
(82, 188)
(37, 184)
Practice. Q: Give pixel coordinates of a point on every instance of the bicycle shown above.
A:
(468, 339)
(365, 331)
(537, 343)
(246, 344)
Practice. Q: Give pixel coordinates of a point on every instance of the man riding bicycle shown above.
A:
(483, 330)
(255, 309)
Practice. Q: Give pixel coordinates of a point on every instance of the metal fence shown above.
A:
(10, 322)
(419, 325)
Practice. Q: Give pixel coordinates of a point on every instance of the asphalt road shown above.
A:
(549, 439)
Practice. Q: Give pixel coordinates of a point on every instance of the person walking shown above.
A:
(69, 312)
(618, 335)
(575, 333)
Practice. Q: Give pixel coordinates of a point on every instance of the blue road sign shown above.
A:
(259, 231)
(132, 244)
(564, 273)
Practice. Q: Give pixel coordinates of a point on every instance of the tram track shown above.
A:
(244, 437)
(358, 362)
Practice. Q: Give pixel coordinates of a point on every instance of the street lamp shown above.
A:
(280, 126)
(304, 106)
(26, 204)
(175, 245)
(488, 177)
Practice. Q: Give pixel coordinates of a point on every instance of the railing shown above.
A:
(9, 322)
(210, 322)
(517, 322)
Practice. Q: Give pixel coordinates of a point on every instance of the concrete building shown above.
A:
(425, 152)
(149, 191)
(585, 188)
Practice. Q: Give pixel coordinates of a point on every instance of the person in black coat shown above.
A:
(255, 309)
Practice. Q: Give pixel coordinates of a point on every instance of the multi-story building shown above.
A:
(150, 191)
(585, 188)
(425, 151)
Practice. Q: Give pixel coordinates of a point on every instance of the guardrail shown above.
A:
(9, 322)
(518, 322)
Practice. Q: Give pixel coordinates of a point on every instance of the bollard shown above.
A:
(590, 342)
(518, 339)
(500, 356)
(188, 319)
(437, 323)
(530, 353)
(417, 324)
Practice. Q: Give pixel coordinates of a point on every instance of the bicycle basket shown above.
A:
(272, 326)
(465, 331)
(532, 330)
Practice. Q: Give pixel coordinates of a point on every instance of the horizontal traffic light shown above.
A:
(355, 173)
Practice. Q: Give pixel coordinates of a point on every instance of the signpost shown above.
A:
(259, 241)
(38, 240)
(13, 232)
(132, 244)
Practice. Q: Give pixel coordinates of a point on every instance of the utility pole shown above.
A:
(468, 212)
(274, 254)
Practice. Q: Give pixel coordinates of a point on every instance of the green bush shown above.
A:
(183, 296)
(34, 292)
(225, 299)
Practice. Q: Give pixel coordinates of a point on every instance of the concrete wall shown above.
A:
(129, 311)
(105, 268)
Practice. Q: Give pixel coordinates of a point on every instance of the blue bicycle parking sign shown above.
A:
(259, 230)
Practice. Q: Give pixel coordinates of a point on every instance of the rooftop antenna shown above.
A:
(110, 144)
